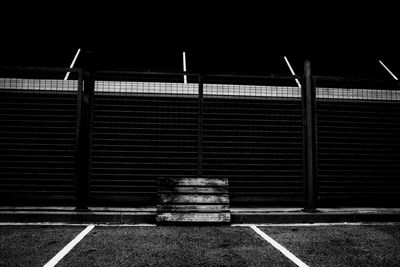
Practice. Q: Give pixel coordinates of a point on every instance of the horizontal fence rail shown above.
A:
(357, 94)
(229, 90)
(38, 85)
(141, 126)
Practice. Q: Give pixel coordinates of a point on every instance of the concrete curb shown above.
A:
(78, 217)
(284, 218)
(323, 215)
(238, 216)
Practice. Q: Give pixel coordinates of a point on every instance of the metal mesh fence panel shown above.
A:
(142, 130)
(37, 140)
(358, 141)
(247, 129)
(253, 136)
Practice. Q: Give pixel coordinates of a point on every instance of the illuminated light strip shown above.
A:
(292, 71)
(184, 68)
(388, 70)
(68, 247)
(279, 247)
(191, 89)
(72, 64)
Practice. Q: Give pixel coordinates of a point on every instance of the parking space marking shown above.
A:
(279, 247)
(68, 247)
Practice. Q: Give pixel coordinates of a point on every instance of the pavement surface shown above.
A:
(313, 245)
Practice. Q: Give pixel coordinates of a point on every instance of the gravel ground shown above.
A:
(174, 246)
(341, 245)
(33, 245)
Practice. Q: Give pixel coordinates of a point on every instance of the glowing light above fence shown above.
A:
(72, 64)
(184, 67)
(292, 71)
(388, 70)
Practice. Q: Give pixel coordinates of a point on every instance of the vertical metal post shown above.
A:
(78, 164)
(200, 129)
(84, 135)
(308, 97)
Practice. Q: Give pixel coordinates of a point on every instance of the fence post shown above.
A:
(309, 130)
(84, 134)
(200, 129)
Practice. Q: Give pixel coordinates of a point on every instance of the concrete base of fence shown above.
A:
(296, 215)
(238, 216)
(68, 215)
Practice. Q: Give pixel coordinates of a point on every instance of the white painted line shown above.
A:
(279, 247)
(73, 63)
(388, 70)
(68, 247)
(292, 71)
(184, 68)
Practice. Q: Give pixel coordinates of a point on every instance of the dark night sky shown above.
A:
(339, 40)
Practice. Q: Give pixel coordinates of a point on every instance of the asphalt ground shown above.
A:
(33, 245)
(333, 245)
(363, 245)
